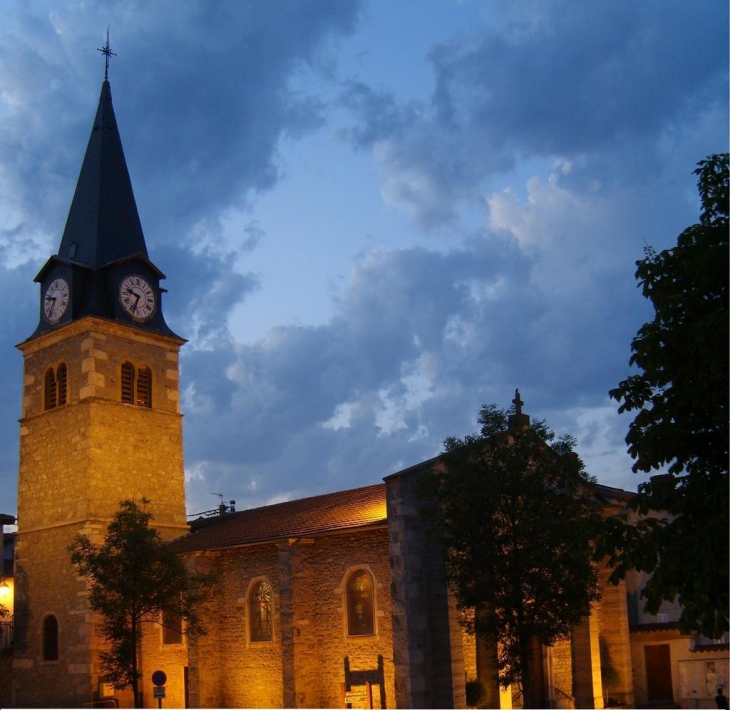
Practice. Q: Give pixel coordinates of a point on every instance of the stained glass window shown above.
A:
(360, 604)
(259, 605)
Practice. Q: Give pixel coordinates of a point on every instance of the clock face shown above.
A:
(55, 302)
(137, 297)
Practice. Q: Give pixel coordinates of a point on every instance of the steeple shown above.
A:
(102, 268)
(103, 223)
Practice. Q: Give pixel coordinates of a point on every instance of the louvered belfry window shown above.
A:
(136, 385)
(51, 390)
(144, 387)
(55, 387)
(61, 382)
(128, 383)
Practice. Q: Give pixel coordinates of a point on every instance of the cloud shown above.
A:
(559, 140)
(599, 85)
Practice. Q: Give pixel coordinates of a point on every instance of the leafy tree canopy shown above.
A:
(680, 396)
(518, 529)
(135, 578)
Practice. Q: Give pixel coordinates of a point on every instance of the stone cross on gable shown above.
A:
(517, 402)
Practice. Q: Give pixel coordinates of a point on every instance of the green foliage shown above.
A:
(135, 578)
(681, 398)
(518, 528)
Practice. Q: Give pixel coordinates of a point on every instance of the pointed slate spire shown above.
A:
(102, 268)
(103, 223)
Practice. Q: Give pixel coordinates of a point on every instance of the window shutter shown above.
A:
(51, 398)
(144, 387)
(128, 383)
(62, 378)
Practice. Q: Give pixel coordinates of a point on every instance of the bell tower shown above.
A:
(100, 419)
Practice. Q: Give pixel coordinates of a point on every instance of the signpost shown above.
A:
(359, 696)
(159, 678)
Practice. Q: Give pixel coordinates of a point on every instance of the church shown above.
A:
(338, 600)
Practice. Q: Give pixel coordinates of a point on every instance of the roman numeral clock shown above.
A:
(137, 297)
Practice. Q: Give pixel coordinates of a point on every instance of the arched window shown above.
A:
(259, 609)
(360, 593)
(50, 638)
(136, 385)
(55, 387)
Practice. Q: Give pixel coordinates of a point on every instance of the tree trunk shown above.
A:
(528, 699)
(135, 673)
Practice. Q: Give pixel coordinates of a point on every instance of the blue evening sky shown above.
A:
(375, 216)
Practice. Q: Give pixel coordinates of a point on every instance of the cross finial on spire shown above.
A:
(517, 402)
(107, 52)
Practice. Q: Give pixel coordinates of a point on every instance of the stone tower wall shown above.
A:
(77, 462)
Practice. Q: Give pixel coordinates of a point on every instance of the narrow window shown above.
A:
(360, 604)
(136, 385)
(144, 387)
(128, 383)
(259, 605)
(61, 379)
(50, 638)
(55, 387)
(172, 630)
(51, 391)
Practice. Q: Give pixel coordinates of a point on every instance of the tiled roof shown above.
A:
(333, 512)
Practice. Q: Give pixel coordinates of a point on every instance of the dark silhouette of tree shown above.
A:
(518, 528)
(135, 578)
(680, 397)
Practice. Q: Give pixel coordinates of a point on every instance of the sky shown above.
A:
(374, 217)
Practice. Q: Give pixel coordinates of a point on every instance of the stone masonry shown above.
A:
(77, 462)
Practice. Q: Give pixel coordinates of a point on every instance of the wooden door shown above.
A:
(658, 673)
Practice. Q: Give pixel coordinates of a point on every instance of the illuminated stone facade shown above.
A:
(77, 461)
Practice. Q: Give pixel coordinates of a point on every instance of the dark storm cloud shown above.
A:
(20, 316)
(465, 325)
(603, 84)
(619, 100)
(201, 93)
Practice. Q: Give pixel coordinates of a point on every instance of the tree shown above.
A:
(518, 528)
(681, 426)
(136, 578)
